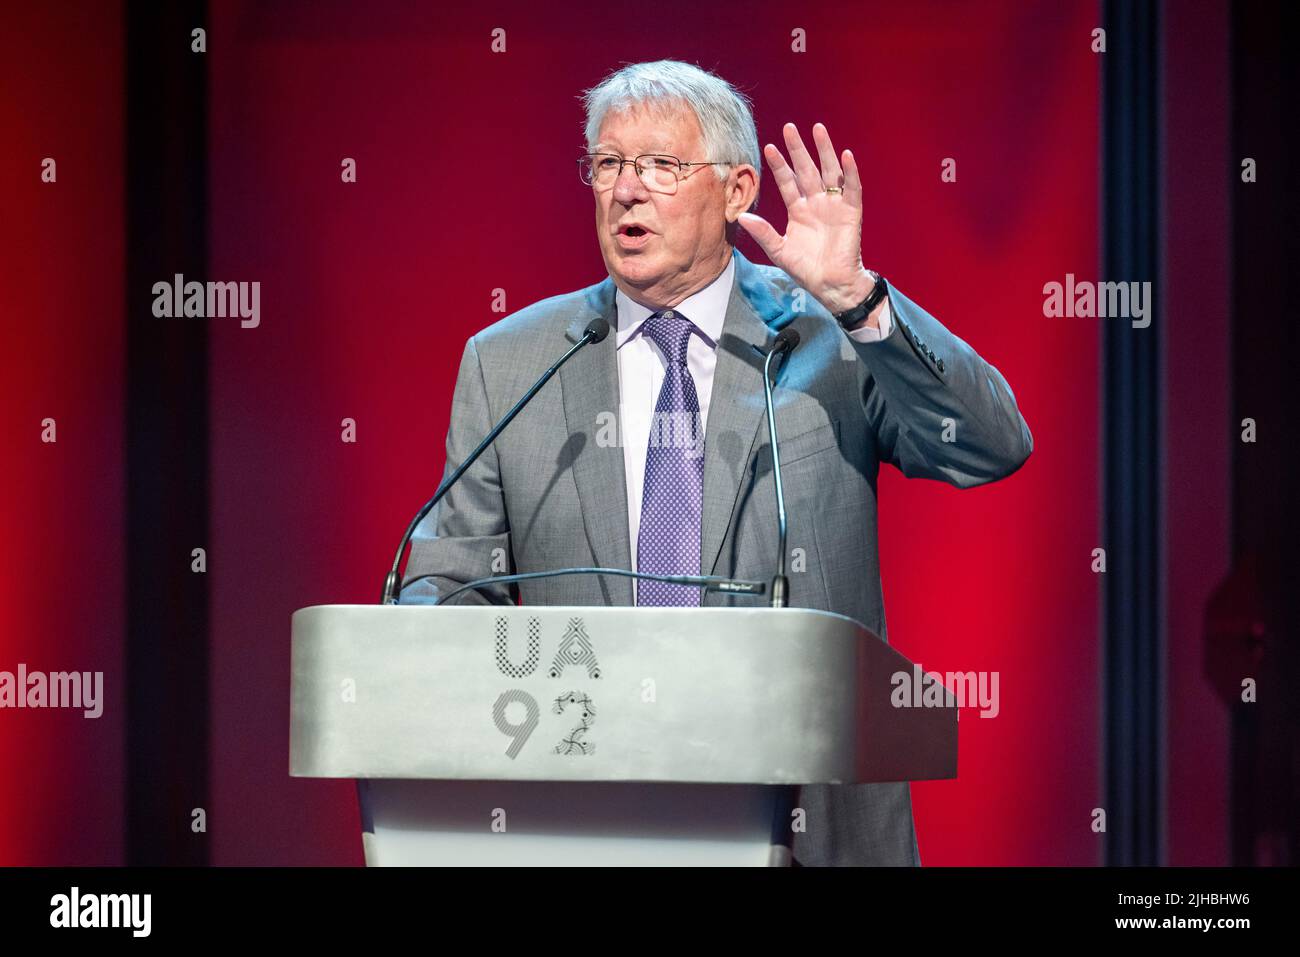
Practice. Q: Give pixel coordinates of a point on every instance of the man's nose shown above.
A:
(629, 188)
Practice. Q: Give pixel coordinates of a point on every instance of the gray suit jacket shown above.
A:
(551, 493)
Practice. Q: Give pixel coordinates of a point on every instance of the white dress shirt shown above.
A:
(641, 367)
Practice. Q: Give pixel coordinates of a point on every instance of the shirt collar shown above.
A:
(706, 309)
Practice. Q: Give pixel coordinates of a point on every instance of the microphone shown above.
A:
(708, 582)
(595, 331)
(785, 343)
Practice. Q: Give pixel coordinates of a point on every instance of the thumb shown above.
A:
(766, 237)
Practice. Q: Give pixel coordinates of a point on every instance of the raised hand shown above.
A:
(822, 245)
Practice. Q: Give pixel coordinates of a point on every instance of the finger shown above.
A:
(832, 174)
(783, 174)
(852, 180)
(766, 237)
(806, 173)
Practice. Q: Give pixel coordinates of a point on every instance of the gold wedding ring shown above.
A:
(834, 189)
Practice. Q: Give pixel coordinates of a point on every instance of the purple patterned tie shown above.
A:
(668, 541)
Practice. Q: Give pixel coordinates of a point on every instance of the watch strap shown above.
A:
(879, 291)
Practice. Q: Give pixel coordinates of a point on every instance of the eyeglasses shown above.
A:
(658, 171)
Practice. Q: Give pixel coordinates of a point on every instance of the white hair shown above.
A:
(723, 112)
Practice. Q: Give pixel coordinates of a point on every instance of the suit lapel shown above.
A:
(590, 384)
(736, 410)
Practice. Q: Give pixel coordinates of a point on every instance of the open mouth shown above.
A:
(630, 237)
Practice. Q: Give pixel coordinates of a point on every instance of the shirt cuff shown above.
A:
(868, 334)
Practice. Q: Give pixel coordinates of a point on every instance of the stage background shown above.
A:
(62, 311)
(466, 184)
(229, 438)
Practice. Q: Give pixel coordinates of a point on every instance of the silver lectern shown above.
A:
(504, 735)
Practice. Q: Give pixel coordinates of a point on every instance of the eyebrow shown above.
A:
(608, 147)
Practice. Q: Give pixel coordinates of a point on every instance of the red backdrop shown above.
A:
(61, 357)
(466, 185)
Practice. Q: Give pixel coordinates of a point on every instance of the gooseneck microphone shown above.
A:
(595, 331)
(785, 343)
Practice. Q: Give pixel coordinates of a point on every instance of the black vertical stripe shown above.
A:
(1133, 585)
(1265, 764)
(166, 436)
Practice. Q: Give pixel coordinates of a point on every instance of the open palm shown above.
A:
(822, 245)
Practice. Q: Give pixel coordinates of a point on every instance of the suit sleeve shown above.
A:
(467, 534)
(938, 410)
(868, 334)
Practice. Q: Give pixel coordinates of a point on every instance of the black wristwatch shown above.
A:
(855, 315)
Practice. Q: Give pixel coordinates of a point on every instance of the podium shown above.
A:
(504, 735)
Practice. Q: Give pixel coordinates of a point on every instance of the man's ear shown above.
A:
(741, 191)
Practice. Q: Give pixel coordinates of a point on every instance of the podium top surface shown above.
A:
(590, 693)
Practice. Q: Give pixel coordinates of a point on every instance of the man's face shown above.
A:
(683, 245)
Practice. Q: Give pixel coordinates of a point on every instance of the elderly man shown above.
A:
(672, 164)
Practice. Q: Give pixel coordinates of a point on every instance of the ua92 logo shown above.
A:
(575, 650)
(575, 742)
(521, 732)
